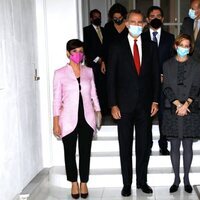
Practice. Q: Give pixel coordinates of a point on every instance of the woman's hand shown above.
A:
(56, 127)
(182, 110)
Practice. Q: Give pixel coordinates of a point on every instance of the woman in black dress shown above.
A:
(181, 117)
(115, 29)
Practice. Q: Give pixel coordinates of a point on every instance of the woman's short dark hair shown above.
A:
(73, 44)
(117, 8)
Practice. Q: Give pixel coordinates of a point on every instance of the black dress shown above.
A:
(111, 35)
(181, 81)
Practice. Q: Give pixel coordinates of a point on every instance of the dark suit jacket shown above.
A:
(165, 48)
(92, 45)
(125, 88)
(187, 28)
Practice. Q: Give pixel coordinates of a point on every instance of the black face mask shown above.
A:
(118, 21)
(156, 23)
(96, 22)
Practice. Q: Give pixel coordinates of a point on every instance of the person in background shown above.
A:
(93, 36)
(191, 26)
(74, 105)
(115, 30)
(133, 83)
(165, 42)
(181, 116)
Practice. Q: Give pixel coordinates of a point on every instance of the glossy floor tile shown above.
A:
(47, 192)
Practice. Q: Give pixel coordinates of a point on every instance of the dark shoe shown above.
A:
(188, 188)
(84, 195)
(173, 188)
(126, 191)
(75, 196)
(164, 152)
(145, 188)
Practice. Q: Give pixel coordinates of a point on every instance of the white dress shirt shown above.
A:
(139, 43)
(157, 36)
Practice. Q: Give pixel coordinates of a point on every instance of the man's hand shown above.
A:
(115, 111)
(103, 67)
(154, 108)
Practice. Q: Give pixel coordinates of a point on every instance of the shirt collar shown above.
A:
(158, 30)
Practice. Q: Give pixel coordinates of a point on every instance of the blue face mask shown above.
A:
(191, 13)
(134, 30)
(181, 51)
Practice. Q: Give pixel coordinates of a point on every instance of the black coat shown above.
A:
(165, 48)
(187, 28)
(92, 45)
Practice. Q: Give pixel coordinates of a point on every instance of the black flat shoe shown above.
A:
(188, 188)
(173, 188)
(145, 188)
(75, 196)
(164, 152)
(126, 191)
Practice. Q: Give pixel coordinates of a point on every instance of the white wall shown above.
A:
(57, 22)
(20, 138)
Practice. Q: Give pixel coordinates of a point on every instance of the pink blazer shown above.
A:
(66, 97)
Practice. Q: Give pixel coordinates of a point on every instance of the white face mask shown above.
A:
(192, 14)
(134, 30)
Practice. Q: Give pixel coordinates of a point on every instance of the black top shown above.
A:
(111, 35)
(80, 109)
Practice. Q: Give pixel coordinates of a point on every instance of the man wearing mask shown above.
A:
(93, 41)
(133, 89)
(164, 41)
(191, 26)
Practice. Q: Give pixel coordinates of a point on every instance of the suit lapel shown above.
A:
(127, 50)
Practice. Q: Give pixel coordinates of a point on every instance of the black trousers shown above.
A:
(140, 119)
(84, 133)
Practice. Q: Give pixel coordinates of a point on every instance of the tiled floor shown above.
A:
(47, 192)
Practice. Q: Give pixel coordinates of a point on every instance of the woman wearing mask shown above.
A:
(181, 117)
(74, 105)
(115, 29)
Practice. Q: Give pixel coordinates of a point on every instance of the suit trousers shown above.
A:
(139, 118)
(84, 134)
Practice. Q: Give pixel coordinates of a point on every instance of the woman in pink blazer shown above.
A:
(75, 105)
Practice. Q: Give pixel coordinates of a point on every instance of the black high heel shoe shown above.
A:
(188, 188)
(75, 196)
(84, 195)
(173, 188)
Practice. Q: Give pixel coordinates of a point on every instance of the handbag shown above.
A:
(98, 120)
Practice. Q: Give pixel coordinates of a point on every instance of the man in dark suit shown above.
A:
(191, 26)
(93, 45)
(165, 42)
(133, 91)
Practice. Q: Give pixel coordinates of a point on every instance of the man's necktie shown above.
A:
(98, 29)
(154, 37)
(196, 29)
(136, 56)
